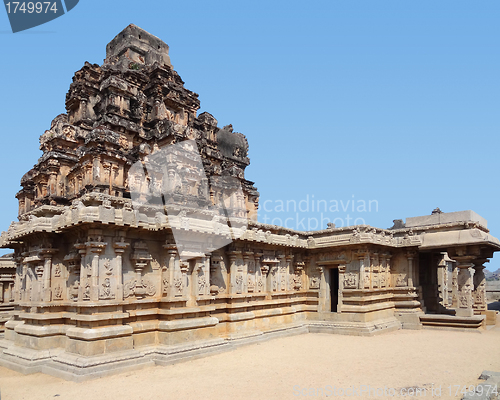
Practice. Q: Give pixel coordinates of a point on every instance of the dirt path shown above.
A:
(291, 368)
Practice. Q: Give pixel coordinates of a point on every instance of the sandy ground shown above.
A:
(293, 367)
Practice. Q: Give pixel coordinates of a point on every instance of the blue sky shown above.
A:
(396, 102)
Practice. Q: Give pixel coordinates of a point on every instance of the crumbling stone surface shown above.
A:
(132, 105)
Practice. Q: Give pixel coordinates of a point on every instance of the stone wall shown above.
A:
(137, 241)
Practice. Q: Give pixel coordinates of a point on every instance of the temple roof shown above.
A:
(134, 45)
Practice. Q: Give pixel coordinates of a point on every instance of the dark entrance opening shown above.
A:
(334, 288)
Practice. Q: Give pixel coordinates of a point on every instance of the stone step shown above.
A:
(441, 321)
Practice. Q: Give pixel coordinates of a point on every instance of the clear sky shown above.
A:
(393, 102)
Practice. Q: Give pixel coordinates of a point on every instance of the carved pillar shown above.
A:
(382, 275)
(259, 278)
(10, 292)
(106, 166)
(410, 255)
(167, 272)
(231, 272)
(298, 274)
(442, 281)
(323, 291)
(479, 294)
(454, 285)
(94, 249)
(217, 279)
(184, 279)
(18, 277)
(264, 276)
(342, 269)
(115, 172)
(375, 268)
(364, 260)
(47, 272)
(52, 181)
(249, 280)
(201, 283)
(25, 283)
(139, 286)
(84, 289)
(388, 275)
(288, 272)
(120, 246)
(464, 286)
(235, 277)
(94, 273)
(282, 273)
(74, 269)
(37, 287)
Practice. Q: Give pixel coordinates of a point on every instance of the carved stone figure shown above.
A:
(73, 290)
(58, 292)
(350, 280)
(314, 282)
(106, 290)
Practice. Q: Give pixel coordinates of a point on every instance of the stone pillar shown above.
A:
(364, 260)
(410, 255)
(298, 274)
(260, 285)
(47, 272)
(388, 270)
(231, 272)
(94, 274)
(10, 292)
(272, 278)
(342, 269)
(18, 278)
(52, 182)
(375, 268)
(288, 272)
(184, 267)
(248, 276)
(84, 288)
(24, 283)
(479, 294)
(442, 274)
(37, 287)
(323, 291)
(454, 286)
(464, 286)
(95, 252)
(235, 277)
(282, 273)
(382, 275)
(167, 272)
(264, 276)
(201, 284)
(120, 247)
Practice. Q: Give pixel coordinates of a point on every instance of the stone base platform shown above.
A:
(355, 328)
(6, 312)
(446, 322)
(79, 368)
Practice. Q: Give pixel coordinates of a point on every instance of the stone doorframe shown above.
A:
(325, 269)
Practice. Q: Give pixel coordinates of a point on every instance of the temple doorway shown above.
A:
(334, 288)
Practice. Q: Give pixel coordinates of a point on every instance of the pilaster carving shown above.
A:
(139, 286)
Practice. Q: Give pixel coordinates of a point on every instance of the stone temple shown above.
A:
(138, 242)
